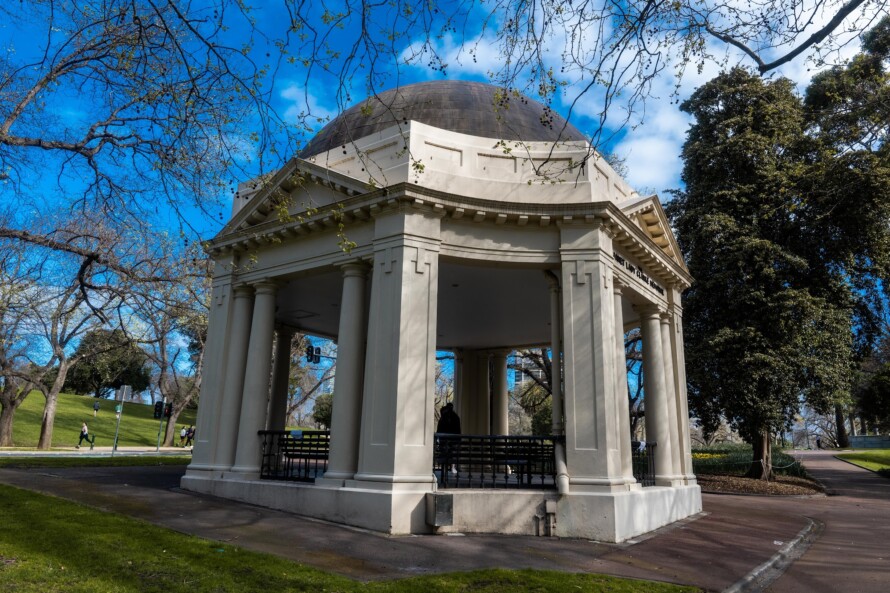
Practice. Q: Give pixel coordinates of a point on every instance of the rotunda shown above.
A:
(448, 216)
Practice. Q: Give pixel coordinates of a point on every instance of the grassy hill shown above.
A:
(138, 427)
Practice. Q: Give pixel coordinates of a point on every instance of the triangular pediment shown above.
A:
(648, 214)
(305, 185)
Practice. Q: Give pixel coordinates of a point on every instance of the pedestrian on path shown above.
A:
(189, 436)
(182, 434)
(85, 436)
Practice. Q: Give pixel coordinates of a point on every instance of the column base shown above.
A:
(582, 484)
(671, 481)
(245, 472)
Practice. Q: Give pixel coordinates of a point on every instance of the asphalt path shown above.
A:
(735, 537)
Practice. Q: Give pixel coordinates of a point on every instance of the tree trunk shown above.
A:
(843, 439)
(761, 463)
(7, 413)
(49, 417)
(11, 397)
(49, 409)
(852, 425)
(170, 432)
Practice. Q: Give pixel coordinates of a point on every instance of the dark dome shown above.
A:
(465, 107)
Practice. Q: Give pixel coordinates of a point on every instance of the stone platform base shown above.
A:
(403, 509)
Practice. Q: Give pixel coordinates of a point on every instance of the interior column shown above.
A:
(500, 424)
(670, 394)
(233, 386)
(678, 359)
(256, 382)
(280, 378)
(458, 382)
(657, 420)
(346, 415)
(482, 394)
(623, 405)
(468, 381)
(556, 399)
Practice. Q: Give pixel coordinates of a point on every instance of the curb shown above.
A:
(764, 575)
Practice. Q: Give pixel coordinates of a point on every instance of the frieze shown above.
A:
(638, 272)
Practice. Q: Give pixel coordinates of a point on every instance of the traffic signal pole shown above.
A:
(124, 390)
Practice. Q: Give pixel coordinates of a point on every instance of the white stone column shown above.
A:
(348, 384)
(500, 424)
(679, 364)
(592, 453)
(215, 353)
(396, 444)
(256, 382)
(555, 362)
(233, 385)
(670, 394)
(657, 420)
(482, 394)
(280, 379)
(458, 383)
(623, 405)
(468, 398)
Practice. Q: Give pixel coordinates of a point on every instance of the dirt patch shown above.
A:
(780, 486)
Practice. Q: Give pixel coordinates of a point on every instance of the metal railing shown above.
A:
(643, 458)
(460, 461)
(295, 455)
(494, 461)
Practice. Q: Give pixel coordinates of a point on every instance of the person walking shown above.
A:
(85, 436)
(96, 407)
(189, 436)
(449, 423)
(182, 434)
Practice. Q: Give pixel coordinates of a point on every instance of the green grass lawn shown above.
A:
(53, 545)
(877, 460)
(138, 428)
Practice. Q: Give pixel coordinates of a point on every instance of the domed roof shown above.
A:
(459, 106)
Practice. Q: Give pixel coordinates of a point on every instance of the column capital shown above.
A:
(617, 285)
(665, 317)
(242, 291)
(355, 268)
(552, 280)
(266, 286)
(648, 311)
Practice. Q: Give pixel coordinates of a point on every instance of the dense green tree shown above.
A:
(848, 184)
(108, 359)
(323, 410)
(759, 339)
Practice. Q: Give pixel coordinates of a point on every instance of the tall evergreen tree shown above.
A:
(759, 339)
(848, 188)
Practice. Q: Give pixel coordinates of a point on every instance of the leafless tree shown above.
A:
(18, 296)
(172, 327)
(307, 380)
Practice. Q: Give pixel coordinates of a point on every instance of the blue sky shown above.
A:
(650, 144)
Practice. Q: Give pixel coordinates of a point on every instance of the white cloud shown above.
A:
(305, 108)
(477, 57)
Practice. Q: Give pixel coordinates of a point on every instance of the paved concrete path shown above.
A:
(735, 535)
(852, 554)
